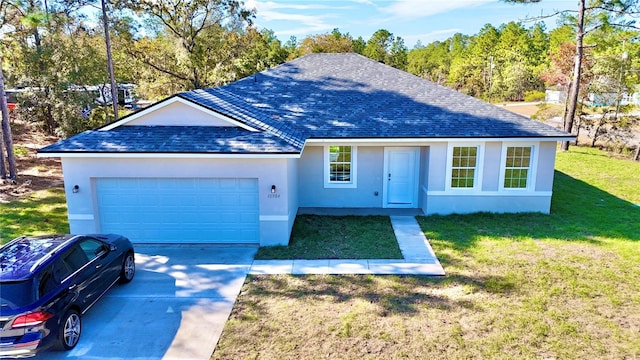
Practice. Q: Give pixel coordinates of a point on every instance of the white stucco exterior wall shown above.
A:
(491, 198)
(276, 210)
(312, 193)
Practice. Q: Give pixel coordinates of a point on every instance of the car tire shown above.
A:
(128, 268)
(69, 331)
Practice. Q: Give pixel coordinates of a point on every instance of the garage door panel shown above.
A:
(179, 210)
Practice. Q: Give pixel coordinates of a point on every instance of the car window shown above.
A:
(92, 248)
(16, 294)
(60, 270)
(46, 282)
(75, 259)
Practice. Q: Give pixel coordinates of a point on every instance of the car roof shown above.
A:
(18, 257)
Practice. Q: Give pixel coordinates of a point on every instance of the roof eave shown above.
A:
(164, 155)
(437, 139)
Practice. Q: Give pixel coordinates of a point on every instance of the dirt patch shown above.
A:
(525, 109)
(33, 173)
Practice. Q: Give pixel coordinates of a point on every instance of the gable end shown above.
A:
(176, 111)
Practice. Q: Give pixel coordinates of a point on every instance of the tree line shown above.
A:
(168, 46)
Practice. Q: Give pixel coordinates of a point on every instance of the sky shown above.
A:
(413, 20)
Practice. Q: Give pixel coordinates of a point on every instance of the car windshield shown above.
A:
(16, 294)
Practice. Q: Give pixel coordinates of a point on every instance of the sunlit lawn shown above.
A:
(559, 286)
(337, 237)
(42, 212)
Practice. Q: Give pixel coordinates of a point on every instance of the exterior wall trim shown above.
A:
(533, 168)
(274, 217)
(416, 177)
(419, 141)
(490, 193)
(169, 155)
(80, 217)
(354, 170)
(479, 169)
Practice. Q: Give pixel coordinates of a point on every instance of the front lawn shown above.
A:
(559, 286)
(337, 237)
(41, 212)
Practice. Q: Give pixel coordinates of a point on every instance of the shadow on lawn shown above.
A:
(391, 293)
(579, 212)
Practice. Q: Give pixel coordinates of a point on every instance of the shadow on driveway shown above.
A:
(175, 308)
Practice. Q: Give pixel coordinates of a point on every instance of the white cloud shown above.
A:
(412, 9)
(426, 38)
(272, 5)
(297, 15)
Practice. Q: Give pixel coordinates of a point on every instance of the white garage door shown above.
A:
(151, 210)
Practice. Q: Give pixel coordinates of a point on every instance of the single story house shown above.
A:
(235, 163)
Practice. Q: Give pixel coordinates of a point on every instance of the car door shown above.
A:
(83, 278)
(103, 260)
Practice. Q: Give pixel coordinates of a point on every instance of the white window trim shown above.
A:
(354, 170)
(531, 176)
(477, 181)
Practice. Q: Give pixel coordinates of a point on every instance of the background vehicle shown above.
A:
(48, 282)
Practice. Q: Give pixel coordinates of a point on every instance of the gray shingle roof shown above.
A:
(319, 96)
(351, 96)
(173, 139)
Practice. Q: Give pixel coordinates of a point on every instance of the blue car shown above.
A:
(48, 282)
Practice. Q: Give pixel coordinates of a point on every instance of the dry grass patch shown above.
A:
(580, 303)
(559, 286)
(34, 174)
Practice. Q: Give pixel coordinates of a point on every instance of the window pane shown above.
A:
(340, 163)
(516, 173)
(463, 166)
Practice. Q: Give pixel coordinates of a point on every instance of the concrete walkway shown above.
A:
(419, 258)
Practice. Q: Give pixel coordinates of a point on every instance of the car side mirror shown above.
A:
(113, 247)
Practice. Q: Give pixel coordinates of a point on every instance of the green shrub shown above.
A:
(534, 95)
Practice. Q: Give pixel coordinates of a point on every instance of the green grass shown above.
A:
(42, 212)
(337, 237)
(558, 286)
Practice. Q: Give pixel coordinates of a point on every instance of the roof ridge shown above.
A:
(251, 116)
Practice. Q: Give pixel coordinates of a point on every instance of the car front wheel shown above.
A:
(128, 268)
(70, 330)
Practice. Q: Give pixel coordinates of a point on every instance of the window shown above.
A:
(92, 248)
(340, 163)
(517, 167)
(46, 282)
(340, 166)
(75, 259)
(464, 166)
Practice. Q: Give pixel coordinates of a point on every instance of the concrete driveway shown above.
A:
(175, 308)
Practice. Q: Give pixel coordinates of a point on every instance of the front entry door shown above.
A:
(401, 166)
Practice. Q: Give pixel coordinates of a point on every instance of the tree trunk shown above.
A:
(112, 77)
(575, 81)
(636, 157)
(3, 167)
(595, 136)
(578, 128)
(6, 131)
